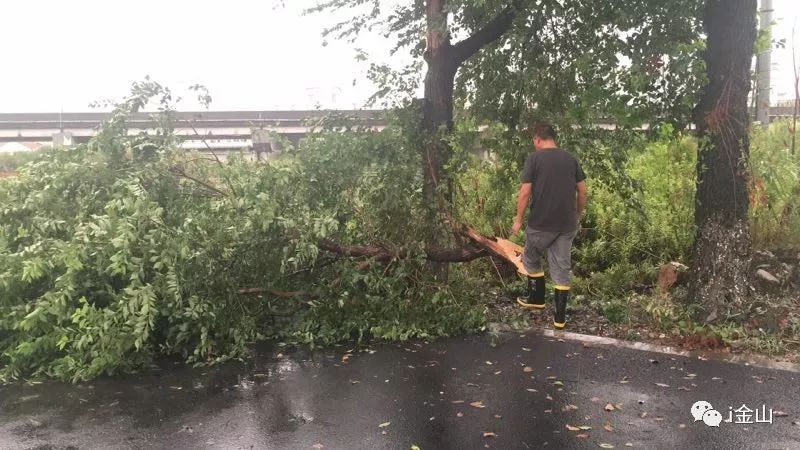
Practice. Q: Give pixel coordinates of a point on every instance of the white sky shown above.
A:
(63, 54)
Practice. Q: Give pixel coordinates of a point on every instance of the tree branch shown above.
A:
(280, 294)
(381, 254)
(488, 34)
(182, 173)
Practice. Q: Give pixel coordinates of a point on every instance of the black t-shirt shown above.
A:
(555, 175)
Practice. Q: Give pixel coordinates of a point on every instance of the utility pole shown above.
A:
(764, 67)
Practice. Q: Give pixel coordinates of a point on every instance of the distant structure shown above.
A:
(259, 132)
(764, 68)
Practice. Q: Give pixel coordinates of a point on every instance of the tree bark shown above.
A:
(443, 60)
(722, 250)
(437, 116)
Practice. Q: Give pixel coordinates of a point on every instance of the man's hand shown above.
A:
(517, 226)
(523, 202)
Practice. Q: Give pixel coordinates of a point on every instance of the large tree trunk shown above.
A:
(720, 281)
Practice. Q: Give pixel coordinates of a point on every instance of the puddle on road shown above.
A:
(158, 395)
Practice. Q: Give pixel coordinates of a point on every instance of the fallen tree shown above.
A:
(127, 247)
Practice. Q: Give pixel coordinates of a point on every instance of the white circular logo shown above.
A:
(700, 408)
(712, 418)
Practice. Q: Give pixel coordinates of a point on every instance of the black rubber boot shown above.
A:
(535, 298)
(560, 319)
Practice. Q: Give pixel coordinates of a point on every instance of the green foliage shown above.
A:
(625, 245)
(662, 230)
(775, 187)
(9, 162)
(581, 62)
(573, 62)
(128, 247)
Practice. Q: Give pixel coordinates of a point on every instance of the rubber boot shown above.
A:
(535, 298)
(561, 297)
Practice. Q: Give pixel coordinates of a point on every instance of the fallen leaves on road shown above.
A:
(609, 407)
(456, 402)
(569, 407)
(477, 405)
(781, 414)
(684, 388)
(525, 349)
(595, 399)
(608, 427)
(384, 424)
(527, 369)
(663, 385)
(498, 372)
(573, 428)
(549, 397)
(489, 434)
(318, 446)
(604, 445)
(531, 390)
(582, 436)
(459, 414)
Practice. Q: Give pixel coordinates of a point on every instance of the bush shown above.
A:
(9, 162)
(775, 188)
(625, 244)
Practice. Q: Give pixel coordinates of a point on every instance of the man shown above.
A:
(554, 186)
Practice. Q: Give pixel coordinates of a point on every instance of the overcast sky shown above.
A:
(64, 54)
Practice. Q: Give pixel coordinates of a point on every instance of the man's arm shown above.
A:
(582, 196)
(523, 200)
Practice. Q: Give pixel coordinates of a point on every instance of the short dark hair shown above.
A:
(543, 130)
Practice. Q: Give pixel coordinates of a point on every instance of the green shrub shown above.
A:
(775, 187)
(10, 162)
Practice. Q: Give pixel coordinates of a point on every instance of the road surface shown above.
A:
(526, 391)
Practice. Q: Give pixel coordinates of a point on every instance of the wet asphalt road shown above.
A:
(420, 393)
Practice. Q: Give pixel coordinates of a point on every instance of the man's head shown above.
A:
(544, 136)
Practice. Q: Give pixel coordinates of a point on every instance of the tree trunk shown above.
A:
(437, 118)
(443, 60)
(722, 250)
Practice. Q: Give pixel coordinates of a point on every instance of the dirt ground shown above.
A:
(771, 326)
